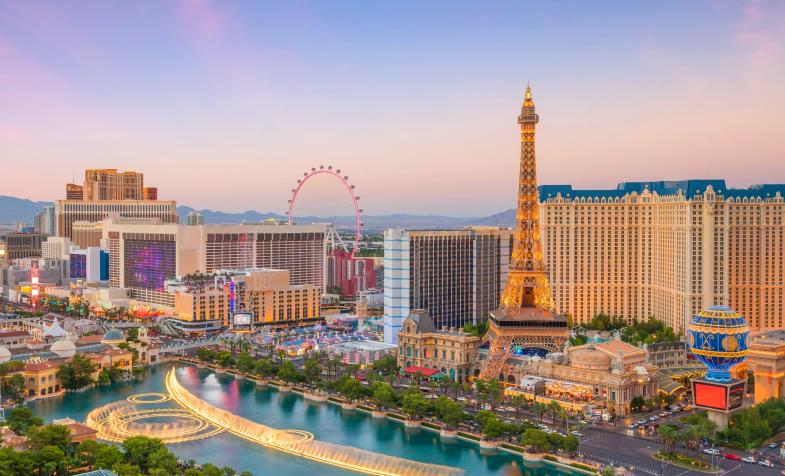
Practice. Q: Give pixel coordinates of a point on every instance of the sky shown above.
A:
(224, 105)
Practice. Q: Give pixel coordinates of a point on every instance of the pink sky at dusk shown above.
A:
(224, 105)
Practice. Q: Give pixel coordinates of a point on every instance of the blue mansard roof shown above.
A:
(689, 188)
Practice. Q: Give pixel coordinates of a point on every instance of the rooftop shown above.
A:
(688, 188)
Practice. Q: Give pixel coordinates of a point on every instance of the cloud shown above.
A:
(202, 21)
(760, 34)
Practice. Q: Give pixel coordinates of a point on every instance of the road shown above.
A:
(611, 447)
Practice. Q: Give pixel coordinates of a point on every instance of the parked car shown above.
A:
(576, 433)
(766, 463)
(773, 445)
(732, 456)
(748, 459)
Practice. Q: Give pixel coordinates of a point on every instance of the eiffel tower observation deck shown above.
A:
(525, 321)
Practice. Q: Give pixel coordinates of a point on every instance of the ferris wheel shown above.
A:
(344, 180)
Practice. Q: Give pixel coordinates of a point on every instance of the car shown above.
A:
(766, 463)
(633, 426)
(711, 451)
(748, 459)
(576, 433)
(773, 445)
(663, 414)
(654, 418)
(641, 422)
(732, 456)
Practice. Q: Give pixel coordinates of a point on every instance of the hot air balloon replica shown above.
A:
(719, 337)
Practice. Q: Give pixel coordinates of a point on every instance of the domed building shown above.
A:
(603, 377)
(64, 348)
(590, 358)
(113, 337)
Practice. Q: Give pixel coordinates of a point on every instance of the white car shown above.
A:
(576, 433)
(766, 463)
(712, 451)
(748, 459)
(773, 445)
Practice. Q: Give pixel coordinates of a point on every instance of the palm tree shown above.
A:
(563, 417)
(539, 409)
(668, 435)
(518, 401)
(554, 409)
(695, 433)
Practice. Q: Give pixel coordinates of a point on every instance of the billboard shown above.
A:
(242, 321)
(726, 396)
(709, 395)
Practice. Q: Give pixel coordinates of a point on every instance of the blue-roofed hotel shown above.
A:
(666, 249)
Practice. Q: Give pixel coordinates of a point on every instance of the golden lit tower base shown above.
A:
(526, 316)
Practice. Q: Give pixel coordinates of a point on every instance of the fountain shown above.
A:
(195, 419)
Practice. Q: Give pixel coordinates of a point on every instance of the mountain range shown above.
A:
(13, 209)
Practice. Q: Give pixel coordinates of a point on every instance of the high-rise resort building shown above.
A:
(456, 275)
(143, 255)
(666, 250)
(109, 192)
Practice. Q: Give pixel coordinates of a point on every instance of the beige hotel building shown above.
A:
(666, 250)
(106, 192)
(143, 254)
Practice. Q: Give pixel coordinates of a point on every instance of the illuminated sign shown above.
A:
(710, 395)
(736, 395)
(243, 319)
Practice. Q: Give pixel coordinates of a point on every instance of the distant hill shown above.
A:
(14, 209)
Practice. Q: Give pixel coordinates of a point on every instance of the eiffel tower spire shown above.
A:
(525, 319)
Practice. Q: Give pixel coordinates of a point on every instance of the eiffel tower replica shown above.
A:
(525, 318)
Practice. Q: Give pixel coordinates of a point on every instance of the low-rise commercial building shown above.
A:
(450, 351)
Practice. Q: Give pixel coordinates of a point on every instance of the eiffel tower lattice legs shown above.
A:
(500, 349)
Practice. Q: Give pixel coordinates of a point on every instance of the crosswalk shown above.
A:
(610, 461)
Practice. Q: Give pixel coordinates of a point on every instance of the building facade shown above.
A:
(450, 351)
(143, 256)
(45, 220)
(265, 293)
(23, 245)
(108, 192)
(666, 250)
(457, 275)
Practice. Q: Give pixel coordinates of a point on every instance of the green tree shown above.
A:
(21, 419)
(204, 354)
(414, 403)
(140, 449)
(312, 371)
(493, 428)
(51, 460)
(553, 409)
(77, 374)
(245, 362)
(383, 395)
(535, 439)
(50, 435)
(263, 367)
(668, 434)
(224, 359)
(287, 372)
(539, 409)
(518, 402)
(570, 444)
(637, 403)
(352, 389)
(14, 388)
(386, 365)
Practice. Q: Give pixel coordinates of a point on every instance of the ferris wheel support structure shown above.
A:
(344, 179)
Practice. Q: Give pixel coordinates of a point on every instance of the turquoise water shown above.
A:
(326, 421)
